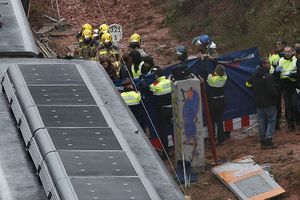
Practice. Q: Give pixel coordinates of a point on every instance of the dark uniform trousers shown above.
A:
(289, 96)
(216, 109)
(164, 113)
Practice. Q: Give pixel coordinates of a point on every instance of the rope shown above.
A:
(102, 13)
(58, 12)
(146, 111)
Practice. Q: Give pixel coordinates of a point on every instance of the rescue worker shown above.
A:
(137, 67)
(181, 54)
(79, 36)
(135, 43)
(87, 48)
(216, 100)
(161, 90)
(274, 57)
(288, 76)
(108, 51)
(297, 52)
(147, 95)
(109, 68)
(265, 95)
(149, 65)
(103, 28)
(297, 46)
(277, 53)
(181, 71)
(206, 46)
(133, 99)
(126, 63)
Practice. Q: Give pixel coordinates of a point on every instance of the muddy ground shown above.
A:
(147, 18)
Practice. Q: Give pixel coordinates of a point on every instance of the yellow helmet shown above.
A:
(106, 37)
(104, 28)
(135, 38)
(87, 33)
(87, 27)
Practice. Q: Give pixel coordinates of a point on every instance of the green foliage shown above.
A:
(173, 13)
(235, 24)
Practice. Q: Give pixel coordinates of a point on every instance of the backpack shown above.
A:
(181, 72)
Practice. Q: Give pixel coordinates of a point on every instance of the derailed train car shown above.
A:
(83, 140)
(16, 39)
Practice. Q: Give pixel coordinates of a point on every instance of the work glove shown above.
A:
(279, 69)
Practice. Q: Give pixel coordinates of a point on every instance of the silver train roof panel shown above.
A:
(18, 180)
(16, 39)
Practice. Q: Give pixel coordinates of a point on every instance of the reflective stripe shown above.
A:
(248, 84)
(216, 81)
(136, 74)
(167, 106)
(272, 70)
(131, 98)
(218, 97)
(103, 52)
(117, 66)
(161, 87)
(288, 67)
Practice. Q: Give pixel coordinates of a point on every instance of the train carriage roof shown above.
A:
(16, 39)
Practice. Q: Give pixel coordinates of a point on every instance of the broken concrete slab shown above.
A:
(58, 33)
(247, 180)
(45, 29)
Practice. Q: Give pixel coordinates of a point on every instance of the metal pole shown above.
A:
(208, 119)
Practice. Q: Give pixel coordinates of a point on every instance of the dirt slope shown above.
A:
(135, 16)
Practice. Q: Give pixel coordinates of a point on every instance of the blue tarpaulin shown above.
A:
(239, 67)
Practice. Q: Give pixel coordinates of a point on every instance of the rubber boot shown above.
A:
(270, 144)
(277, 126)
(290, 128)
(263, 144)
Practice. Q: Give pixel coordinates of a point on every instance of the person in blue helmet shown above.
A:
(207, 47)
(180, 70)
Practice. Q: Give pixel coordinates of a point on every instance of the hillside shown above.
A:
(235, 24)
(143, 17)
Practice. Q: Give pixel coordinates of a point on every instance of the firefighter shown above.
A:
(87, 48)
(79, 36)
(108, 51)
(215, 96)
(103, 28)
(135, 43)
(161, 90)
